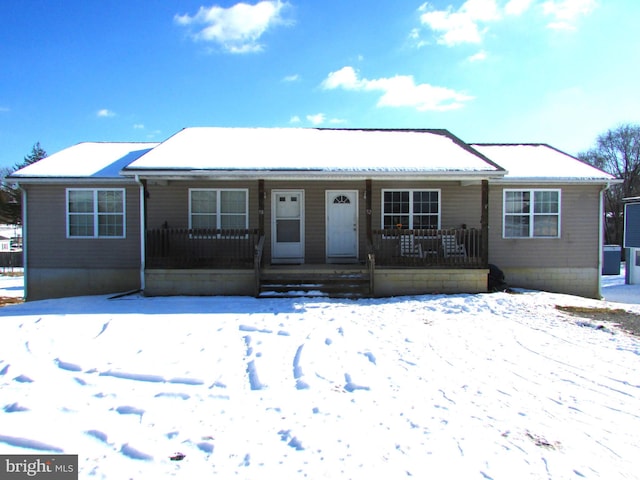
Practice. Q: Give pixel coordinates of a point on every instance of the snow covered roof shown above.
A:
(91, 160)
(540, 162)
(307, 152)
(291, 150)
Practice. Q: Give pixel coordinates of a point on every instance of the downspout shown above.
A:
(25, 270)
(601, 227)
(143, 232)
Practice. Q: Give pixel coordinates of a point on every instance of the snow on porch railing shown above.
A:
(457, 248)
(200, 248)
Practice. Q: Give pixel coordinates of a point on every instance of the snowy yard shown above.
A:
(491, 386)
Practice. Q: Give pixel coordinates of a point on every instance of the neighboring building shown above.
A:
(5, 244)
(14, 234)
(242, 211)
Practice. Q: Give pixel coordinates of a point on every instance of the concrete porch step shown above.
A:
(286, 283)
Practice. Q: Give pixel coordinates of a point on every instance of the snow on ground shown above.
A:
(491, 386)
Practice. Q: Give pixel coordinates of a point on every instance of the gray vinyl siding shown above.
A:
(169, 202)
(460, 204)
(315, 215)
(46, 234)
(579, 232)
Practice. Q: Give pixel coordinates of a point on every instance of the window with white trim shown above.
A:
(95, 213)
(411, 209)
(218, 209)
(531, 213)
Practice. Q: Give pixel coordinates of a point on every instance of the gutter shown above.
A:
(25, 270)
(601, 227)
(143, 226)
(310, 175)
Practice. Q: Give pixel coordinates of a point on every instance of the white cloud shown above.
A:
(346, 78)
(517, 7)
(317, 119)
(295, 119)
(105, 113)
(564, 13)
(236, 29)
(398, 91)
(466, 25)
(154, 134)
(478, 57)
(5, 109)
(291, 78)
(138, 126)
(470, 22)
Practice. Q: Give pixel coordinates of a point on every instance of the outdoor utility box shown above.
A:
(611, 259)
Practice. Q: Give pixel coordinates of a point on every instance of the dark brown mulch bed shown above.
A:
(627, 321)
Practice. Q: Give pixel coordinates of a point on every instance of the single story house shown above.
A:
(263, 211)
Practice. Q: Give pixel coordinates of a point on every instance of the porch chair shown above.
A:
(451, 247)
(409, 247)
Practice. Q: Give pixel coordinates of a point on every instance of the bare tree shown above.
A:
(617, 152)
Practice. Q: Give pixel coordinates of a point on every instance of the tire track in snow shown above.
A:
(297, 370)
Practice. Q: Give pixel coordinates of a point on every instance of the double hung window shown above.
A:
(219, 209)
(531, 213)
(95, 213)
(411, 209)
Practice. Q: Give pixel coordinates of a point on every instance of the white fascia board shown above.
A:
(556, 181)
(71, 181)
(312, 176)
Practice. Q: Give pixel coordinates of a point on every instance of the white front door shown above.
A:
(342, 224)
(287, 239)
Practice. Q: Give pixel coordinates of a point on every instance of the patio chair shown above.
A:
(451, 247)
(409, 247)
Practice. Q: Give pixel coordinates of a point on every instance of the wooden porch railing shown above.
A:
(201, 248)
(458, 248)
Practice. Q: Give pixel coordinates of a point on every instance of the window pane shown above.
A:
(425, 202)
(516, 226)
(396, 209)
(546, 202)
(110, 225)
(396, 221)
(396, 202)
(80, 225)
(203, 221)
(81, 201)
(288, 231)
(232, 221)
(425, 221)
(516, 202)
(203, 201)
(233, 202)
(110, 201)
(545, 226)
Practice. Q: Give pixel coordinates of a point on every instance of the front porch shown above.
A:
(230, 262)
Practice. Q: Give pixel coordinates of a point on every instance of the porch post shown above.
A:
(484, 223)
(261, 194)
(368, 202)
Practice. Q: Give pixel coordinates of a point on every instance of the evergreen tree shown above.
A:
(10, 195)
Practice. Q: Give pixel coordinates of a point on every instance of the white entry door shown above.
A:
(287, 239)
(342, 224)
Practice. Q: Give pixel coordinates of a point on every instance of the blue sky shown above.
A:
(552, 71)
